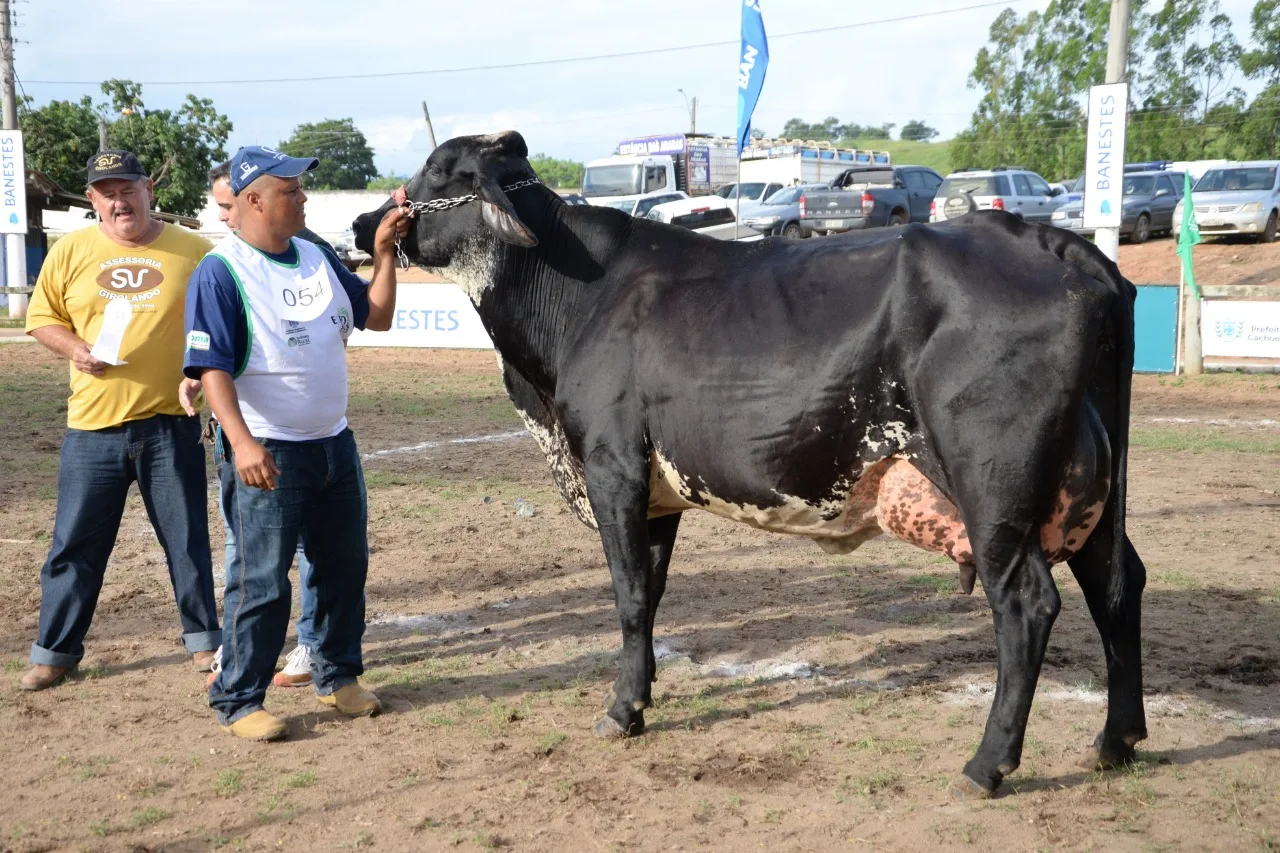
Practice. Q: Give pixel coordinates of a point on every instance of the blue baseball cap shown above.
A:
(254, 161)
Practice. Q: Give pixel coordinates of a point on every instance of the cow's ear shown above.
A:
(501, 216)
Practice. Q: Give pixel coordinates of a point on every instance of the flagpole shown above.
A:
(1177, 346)
(737, 211)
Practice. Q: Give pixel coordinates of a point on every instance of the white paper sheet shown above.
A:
(114, 321)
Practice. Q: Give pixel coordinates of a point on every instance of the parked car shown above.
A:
(753, 192)
(351, 257)
(1149, 201)
(1019, 191)
(1238, 198)
(573, 198)
(640, 207)
(779, 214)
(870, 197)
(708, 214)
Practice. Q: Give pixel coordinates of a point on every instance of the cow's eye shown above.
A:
(434, 171)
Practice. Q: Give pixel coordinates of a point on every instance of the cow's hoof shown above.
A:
(609, 728)
(964, 788)
(1106, 754)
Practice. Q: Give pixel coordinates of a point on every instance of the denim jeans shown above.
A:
(306, 634)
(320, 496)
(164, 456)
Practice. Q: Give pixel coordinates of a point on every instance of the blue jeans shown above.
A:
(164, 456)
(306, 634)
(320, 496)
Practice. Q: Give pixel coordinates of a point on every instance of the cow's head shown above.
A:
(454, 225)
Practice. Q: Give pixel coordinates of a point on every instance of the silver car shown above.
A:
(1236, 198)
(1022, 193)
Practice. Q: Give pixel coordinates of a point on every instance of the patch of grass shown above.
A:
(303, 779)
(549, 742)
(502, 714)
(229, 783)
(1199, 441)
(94, 766)
(1178, 580)
(149, 817)
(955, 720)
(92, 672)
(14, 665)
(941, 586)
(774, 815)
(883, 780)
(364, 839)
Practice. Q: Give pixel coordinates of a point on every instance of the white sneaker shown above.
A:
(297, 669)
(214, 668)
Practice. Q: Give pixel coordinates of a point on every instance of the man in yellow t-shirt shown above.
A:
(125, 423)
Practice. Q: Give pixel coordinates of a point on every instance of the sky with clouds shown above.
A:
(827, 57)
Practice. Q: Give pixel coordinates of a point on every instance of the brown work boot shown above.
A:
(42, 676)
(260, 726)
(203, 661)
(353, 700)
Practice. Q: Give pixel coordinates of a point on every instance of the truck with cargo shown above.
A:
(790, 163)
(697, 164)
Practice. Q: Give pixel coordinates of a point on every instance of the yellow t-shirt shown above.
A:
(85, 270)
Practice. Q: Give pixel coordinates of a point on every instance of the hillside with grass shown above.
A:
(935, 155)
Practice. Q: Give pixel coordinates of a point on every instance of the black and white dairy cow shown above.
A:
(964, 387)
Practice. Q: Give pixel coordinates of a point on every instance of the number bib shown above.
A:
(302, 300)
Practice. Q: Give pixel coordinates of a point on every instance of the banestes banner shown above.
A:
(1104, 156)
(429, 315)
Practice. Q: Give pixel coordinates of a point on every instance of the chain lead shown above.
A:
(436, 205)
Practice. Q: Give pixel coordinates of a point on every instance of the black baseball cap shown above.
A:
(115, 164)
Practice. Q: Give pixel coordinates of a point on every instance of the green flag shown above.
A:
(1188, 235)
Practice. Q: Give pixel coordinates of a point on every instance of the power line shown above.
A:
(543, 62)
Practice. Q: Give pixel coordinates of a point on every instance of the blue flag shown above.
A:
(753, 60)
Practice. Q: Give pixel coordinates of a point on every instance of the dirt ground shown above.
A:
(804, 701)
(1219, 260)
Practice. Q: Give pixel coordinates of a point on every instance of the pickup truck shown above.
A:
(870, 197)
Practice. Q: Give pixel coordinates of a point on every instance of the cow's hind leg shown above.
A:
(1024, 600)
(1120, 626)
(618, 487)
(662, 541)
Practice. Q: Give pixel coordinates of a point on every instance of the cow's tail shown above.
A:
(1121, 582)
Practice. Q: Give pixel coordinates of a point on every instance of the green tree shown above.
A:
(1263, 62)
(176, 147)
(557, 173)
(799, 129)
(1033, 76)
(346, 160)
(917, 131)
(387, 182)
(58, 139)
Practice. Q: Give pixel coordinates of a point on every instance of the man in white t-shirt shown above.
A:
(267, 321)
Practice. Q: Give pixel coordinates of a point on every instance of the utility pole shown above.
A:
(15, 245)
(1108, 239)
(692, 107)
(102, 134)
(430, 130)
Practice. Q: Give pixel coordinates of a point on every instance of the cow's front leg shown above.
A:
(618, 487)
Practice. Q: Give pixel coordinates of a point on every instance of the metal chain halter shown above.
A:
(436, 205)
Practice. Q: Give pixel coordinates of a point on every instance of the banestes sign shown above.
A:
(1104, 156)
